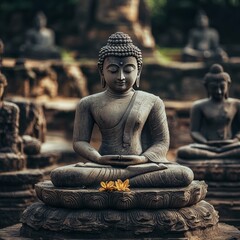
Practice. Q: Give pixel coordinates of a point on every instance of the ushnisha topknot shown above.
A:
(216, 73)
(120, 44)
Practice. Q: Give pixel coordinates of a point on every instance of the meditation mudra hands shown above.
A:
(122, 160)
(119, 160)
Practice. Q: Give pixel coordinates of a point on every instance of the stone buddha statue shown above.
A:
(163, 201)
(214, 121)
(133, 125)
(203, 42)
(40, 41)
(9, 116)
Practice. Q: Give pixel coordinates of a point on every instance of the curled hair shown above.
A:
(120, 45)
(216, 73)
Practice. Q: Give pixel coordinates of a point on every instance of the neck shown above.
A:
(218, 100)
(112, 94)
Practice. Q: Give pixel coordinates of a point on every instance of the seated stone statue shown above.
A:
(203, 43)
(214, 121)
(9, 116)
(40, 42)
(133, 125)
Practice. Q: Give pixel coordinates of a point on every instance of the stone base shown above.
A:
(11, 162)
(219, 170)
(114, 223)
(140, 198)
(223, 179)
(19, 178)
(221, 232)
(225, 197)
(42, 160)
(16, 193)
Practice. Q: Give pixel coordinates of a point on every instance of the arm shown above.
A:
(83, 126)
(196, 121)
(236, 122)
(158, 129)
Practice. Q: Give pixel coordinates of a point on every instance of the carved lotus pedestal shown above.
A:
(87, 213)
(222, 177)
(16, 187)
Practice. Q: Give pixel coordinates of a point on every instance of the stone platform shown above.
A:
(16, 193)
(42, 219)
(145, 212)
(222, 177)
(142, 198)
(219, 170)
(11, 162)
(223, 232)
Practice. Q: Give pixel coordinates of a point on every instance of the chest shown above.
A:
(219, 115)
(110, 113)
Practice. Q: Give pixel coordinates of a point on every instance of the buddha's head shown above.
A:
(120, 63)
(217, 82)
(3, 84)
(40, 20)
(202, 20)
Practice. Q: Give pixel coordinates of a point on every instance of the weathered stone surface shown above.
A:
(219, 170)
(129, 222)
(221, 232)
(42, 160)
(150, 198)
(11, 162)
(10, 216)
(20, 178)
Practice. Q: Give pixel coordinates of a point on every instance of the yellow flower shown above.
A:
(122, 186)
(107, 186)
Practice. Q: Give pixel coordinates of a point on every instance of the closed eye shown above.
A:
(113, 68)
(129, 68)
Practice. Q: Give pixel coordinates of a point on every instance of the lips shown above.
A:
(121, 83)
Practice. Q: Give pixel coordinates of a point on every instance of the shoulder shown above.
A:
(200, 103)
(11, 107)
(151, 99)
(91, 99)
(234, 101)
(147, 95)
(213, 31)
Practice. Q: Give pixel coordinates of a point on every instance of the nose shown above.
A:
(121, 75)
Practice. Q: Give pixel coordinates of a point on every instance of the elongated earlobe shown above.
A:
(137, 81)
(103, 82)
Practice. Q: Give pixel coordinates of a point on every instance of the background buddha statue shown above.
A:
(214, 121)
(9, 118)
(40, 41)
(203, 42)
(133, 125)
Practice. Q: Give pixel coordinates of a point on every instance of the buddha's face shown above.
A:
(120, 73)
(40, 22)
(217, 90)
(1, 90)
(202, 21)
